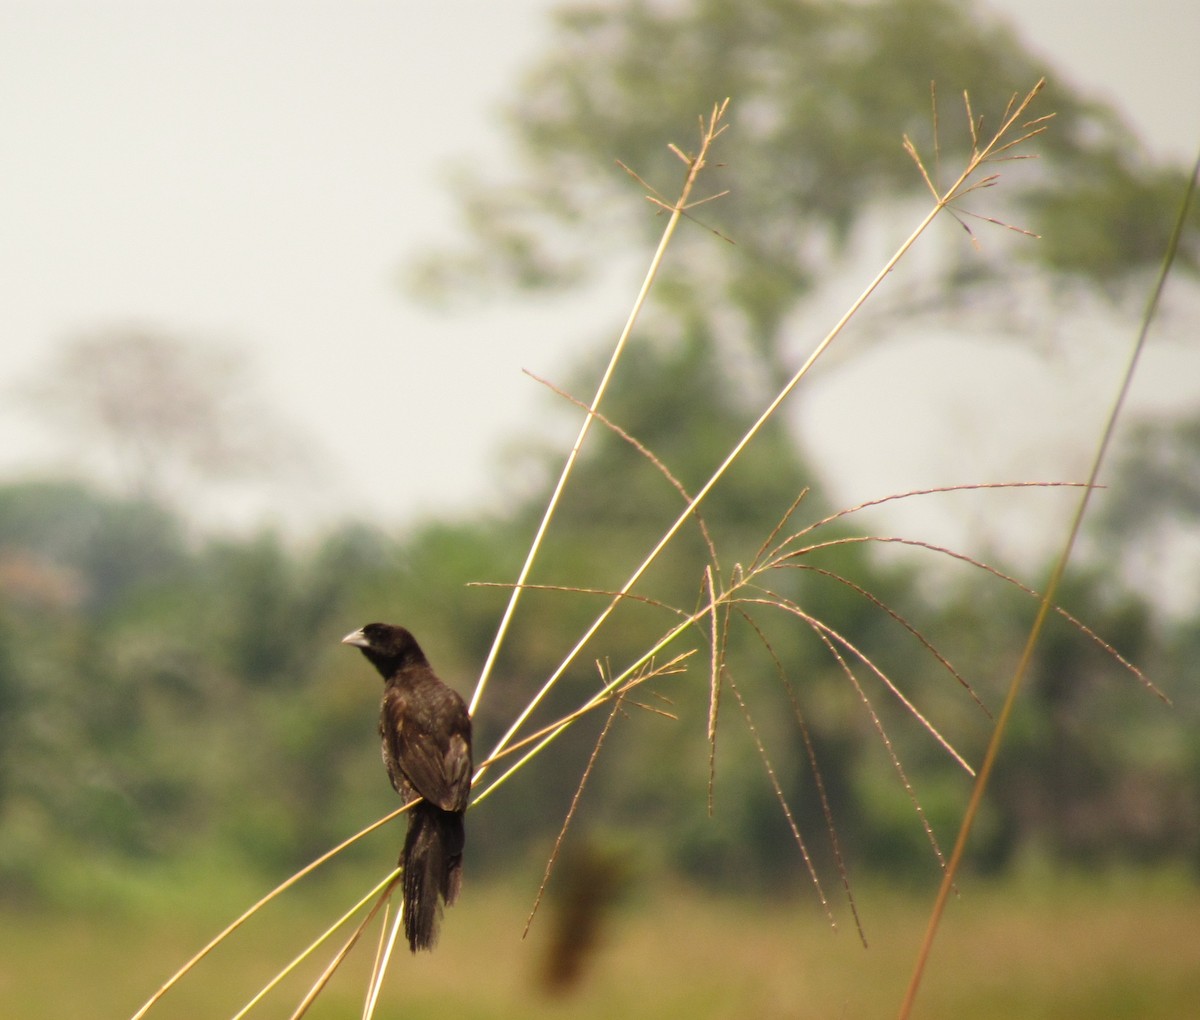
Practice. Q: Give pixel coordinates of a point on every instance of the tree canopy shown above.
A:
(822, 95)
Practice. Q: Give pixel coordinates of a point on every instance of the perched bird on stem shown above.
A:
(426, 735)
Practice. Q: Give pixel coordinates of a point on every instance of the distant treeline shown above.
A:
(163, 695)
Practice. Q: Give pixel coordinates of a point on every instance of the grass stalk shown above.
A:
(695, 165)
(234, 925)
(1044, 607)
(979, 157)
(383, 958)
(331, 968)
(315, 945)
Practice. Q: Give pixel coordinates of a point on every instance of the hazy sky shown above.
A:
(256, 173)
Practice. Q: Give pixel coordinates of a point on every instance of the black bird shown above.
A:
(426, 735)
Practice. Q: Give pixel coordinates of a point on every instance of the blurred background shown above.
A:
(270, 278)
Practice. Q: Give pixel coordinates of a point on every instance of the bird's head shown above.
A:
(389, 648)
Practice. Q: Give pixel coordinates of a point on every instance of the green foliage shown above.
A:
(91, 553)
(204, 705)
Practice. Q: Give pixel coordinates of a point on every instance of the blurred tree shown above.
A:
(1094, 774)
(64, 546)
(1157, 478)
(13, 697)
(822, 94)
(144, 678)
(162, 414)
(1148, 527)
(672, 397)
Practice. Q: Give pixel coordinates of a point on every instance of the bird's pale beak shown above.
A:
(356, 638)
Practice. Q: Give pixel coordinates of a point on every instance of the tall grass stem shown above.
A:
(695, 165)
(1044, 607)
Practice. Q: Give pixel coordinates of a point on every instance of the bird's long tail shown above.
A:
(432, 862)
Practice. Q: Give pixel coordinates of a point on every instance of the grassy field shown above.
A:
(1077, 948)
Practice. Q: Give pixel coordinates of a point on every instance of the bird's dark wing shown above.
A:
(427, 740)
